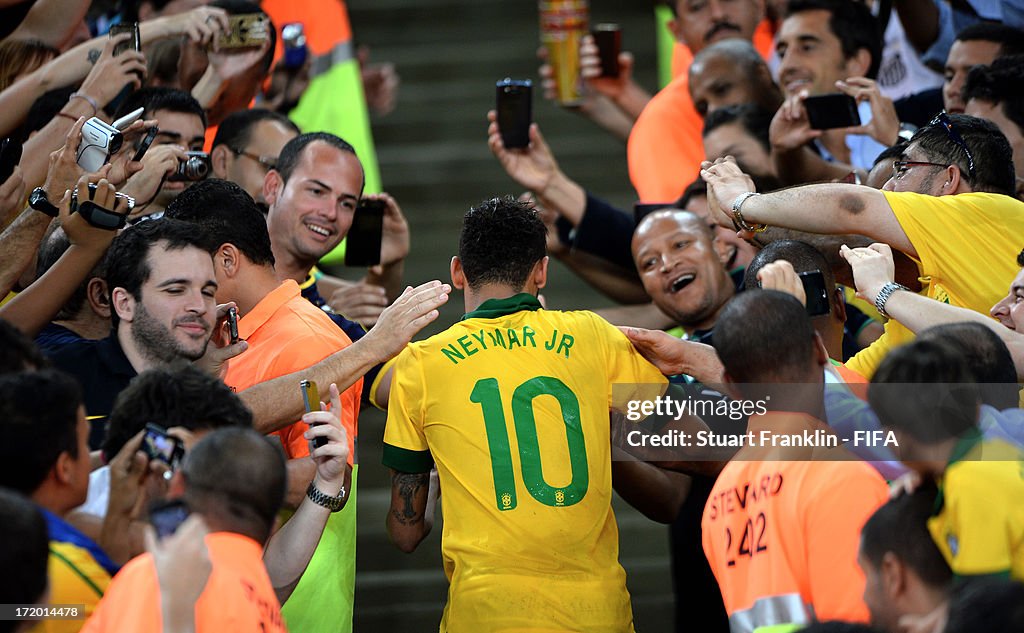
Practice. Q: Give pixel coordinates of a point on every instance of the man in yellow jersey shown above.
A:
(963, 232)
(924, 393)
(511, 405)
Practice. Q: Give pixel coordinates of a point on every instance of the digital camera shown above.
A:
(196, 166)
(99, 141)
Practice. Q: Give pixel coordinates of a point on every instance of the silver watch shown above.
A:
(331, 503)
(884, 294)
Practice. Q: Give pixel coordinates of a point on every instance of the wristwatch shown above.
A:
(331, 503)
(884, 294)
(737, 217)
(38, 201)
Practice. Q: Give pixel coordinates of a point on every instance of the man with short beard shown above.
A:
(162, 286)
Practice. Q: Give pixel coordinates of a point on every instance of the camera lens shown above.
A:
(194, 168)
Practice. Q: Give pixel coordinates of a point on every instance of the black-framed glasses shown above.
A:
(266, 162)
(943, 119)
(899, 167)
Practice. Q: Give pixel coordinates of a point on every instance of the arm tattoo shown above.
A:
(409, 486)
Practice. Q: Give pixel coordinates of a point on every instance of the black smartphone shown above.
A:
(641, 210)
(158, 445)
(362, 244)
(608, 38)
(167, 516)
(10, 156)
(515, 111)
(311, 400)
(145, 143)
(818, 302)
(233, 324)
(133, 43)
(826, 112)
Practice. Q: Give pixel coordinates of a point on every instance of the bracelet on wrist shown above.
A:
(87, 99)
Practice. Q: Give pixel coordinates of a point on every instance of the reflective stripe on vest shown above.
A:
(770, 612)
(341, 53)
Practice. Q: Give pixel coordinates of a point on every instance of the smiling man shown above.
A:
(162, 288)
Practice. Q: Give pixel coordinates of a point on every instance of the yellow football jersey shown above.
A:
(967, 248)
(511, 404)
(979, 524)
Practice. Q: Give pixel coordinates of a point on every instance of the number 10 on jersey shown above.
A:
(487, 394)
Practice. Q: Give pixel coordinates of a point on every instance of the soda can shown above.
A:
(563, 23)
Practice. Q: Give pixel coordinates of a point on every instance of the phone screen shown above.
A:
(362, 244)
(158, 445)
(514, 104)
(132, 43)
(248, 30)
(817, 294)
(311, 400)
(826, 112)
(167, 517)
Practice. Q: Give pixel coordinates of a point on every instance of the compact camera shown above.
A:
(196, 166)
(99, 141)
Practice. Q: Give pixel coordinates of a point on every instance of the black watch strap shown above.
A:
(40, 202)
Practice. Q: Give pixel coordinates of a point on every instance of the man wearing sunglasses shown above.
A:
(246, 147)
(948, 206)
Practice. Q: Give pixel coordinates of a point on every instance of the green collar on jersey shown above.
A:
(494, 308)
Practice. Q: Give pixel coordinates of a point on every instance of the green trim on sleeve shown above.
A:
(406, 461)
(999, 575)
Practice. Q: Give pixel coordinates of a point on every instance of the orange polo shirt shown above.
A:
(665, 147)
(238, 595)
(781, 530)
(286, 333)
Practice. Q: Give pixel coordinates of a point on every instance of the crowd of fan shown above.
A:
(120, 285)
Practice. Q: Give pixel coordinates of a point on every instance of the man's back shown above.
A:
(512, 405)
(782, 536)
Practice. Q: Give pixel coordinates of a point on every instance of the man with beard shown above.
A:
(162, 287)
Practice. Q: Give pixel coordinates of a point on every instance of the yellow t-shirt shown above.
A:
(967, 247)
(512, 406)
(979, 526)
(75, 578)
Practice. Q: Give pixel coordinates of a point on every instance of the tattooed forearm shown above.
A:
(407, 487)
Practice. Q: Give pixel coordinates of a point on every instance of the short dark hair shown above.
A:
(291, 153)
(852, 23)
(17, 351)
(1020, 258)
(804, 257)
(697, 188)
(501, 240)
(993, 156)
(235, 131)
(238, 476)
(925, 389)
(1001, 84)
(127, 265)
(1010, 40)
(750, 117)
(225, 214)
(893, 151)
(24, 551)
(986, 605)
(764, 336)
(52, 248)
(987, 357)
(901, 527)
(155, 98)
(180, 394)
(38, 421)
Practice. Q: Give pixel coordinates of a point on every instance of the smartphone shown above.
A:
(233, 324)
(826, 112)
(311, 400)
(641, 210)
(608, 38)
(818, 302)
(167, 516)
(158, 445)
(132, 43)
(515, 103)
(362, 244)
(246, 30)
(10, 156)
(145, 143)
